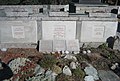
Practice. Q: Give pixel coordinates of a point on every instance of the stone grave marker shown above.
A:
(18, 32)
(58, 30)
(72, 45)
(97, 31)
(59, 45)
(108, 76)
(45, 45)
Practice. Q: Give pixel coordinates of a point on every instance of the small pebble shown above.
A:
(88, 51)
(84, 52)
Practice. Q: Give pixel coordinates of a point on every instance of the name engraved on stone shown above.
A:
(98, 31)
(18, 32)
(59, 32)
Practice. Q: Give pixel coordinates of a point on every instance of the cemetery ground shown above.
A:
(91, 64)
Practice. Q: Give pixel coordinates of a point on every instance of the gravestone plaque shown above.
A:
(58, 30)
(108, 76)
(59, 45)
(18, 31)
(72, 45)
(97, 31)
(45, 46)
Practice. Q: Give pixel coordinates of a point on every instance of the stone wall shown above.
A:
(46, 27)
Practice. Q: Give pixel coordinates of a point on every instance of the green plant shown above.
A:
(63, 77)
(103, 46)
(48, 61)
(78, 73)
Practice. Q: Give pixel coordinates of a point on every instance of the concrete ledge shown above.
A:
(18, 45)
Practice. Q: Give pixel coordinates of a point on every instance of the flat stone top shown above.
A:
(73, 45)
(90, 1)
(90, 5)
(108, 76)
(45, 45)
(55, 18)
(59, 45)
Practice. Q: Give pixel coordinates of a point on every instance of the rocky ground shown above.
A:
(88, 65)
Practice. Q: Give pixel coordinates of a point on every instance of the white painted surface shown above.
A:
(104, 15)
(59, 45)
(97, 31)
(58, 30)
(45, 46)
(17, 13)
(18, 31)
(72, 45)
(58, 14)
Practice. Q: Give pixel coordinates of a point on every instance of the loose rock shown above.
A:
(89, 78)
(56, 69)
(67, 71)
(84, 52)
(73, 65)
(70, 57)
(91, 71)
(88, 51)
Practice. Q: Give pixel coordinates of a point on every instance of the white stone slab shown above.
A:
(18, 31)
(72, 45)
(97, 31)
(45, 46)
(16, 13)
(57, 14)
(100, 15)
(59, 45)
(58, 30)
